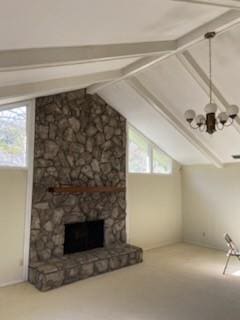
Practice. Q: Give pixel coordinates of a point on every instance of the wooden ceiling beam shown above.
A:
(23, 59)
(15, 93)
(223, 23)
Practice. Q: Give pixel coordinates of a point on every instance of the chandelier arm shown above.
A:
(230, 123)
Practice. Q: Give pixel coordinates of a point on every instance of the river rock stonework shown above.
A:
(81, 141)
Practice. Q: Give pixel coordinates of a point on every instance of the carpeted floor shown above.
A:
(180, 282)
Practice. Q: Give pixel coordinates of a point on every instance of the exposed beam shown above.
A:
(48, 57)
(173, 120)
(220, 24)
(230, 4)
(14, 93)
(198, 74)
(128, 71)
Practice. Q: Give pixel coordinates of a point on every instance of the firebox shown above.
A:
(83, 236)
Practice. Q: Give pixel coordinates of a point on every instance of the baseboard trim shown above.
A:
(163, 244)
(199, 244)
(10, 283)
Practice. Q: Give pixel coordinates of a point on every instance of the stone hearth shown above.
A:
(79, 141)
(78, 266)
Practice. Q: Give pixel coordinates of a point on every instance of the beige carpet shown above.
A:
(178, 282)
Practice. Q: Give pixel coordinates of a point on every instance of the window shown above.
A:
(138, 152)
(145, 157)
(160, 162)
(13, 135)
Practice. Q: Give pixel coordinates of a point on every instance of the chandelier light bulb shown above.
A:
(223, 117)
(189, 115)
(210, 108)
(200, 120)
(232, 111)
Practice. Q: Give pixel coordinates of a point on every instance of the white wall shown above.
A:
(211, 204)
(154, 209)
(12, 216)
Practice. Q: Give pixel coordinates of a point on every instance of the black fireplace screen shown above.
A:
(83, 236)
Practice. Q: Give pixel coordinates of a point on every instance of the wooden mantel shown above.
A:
(79, 189)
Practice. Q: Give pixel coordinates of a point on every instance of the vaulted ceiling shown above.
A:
(146, 58)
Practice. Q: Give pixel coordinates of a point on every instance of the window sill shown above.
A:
(151, 174)
(13, 168)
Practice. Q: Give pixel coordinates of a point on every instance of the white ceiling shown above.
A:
(134, 54)
(57, 23)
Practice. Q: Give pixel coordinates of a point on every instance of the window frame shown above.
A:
(16, 105)
(151, 147)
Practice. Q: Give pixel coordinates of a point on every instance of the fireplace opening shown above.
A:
(83, 236)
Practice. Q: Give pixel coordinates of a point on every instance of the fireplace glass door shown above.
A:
(83, 236)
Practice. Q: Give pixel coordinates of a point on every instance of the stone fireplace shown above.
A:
(79, 141)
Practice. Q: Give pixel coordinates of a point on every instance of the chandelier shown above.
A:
(211, 122)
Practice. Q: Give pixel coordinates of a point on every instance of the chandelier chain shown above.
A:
(210, 69)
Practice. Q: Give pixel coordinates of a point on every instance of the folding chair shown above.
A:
(232, 251)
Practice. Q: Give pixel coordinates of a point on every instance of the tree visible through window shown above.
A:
(145, 157)
(138, 153)
(13, 137)
(161, 162)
